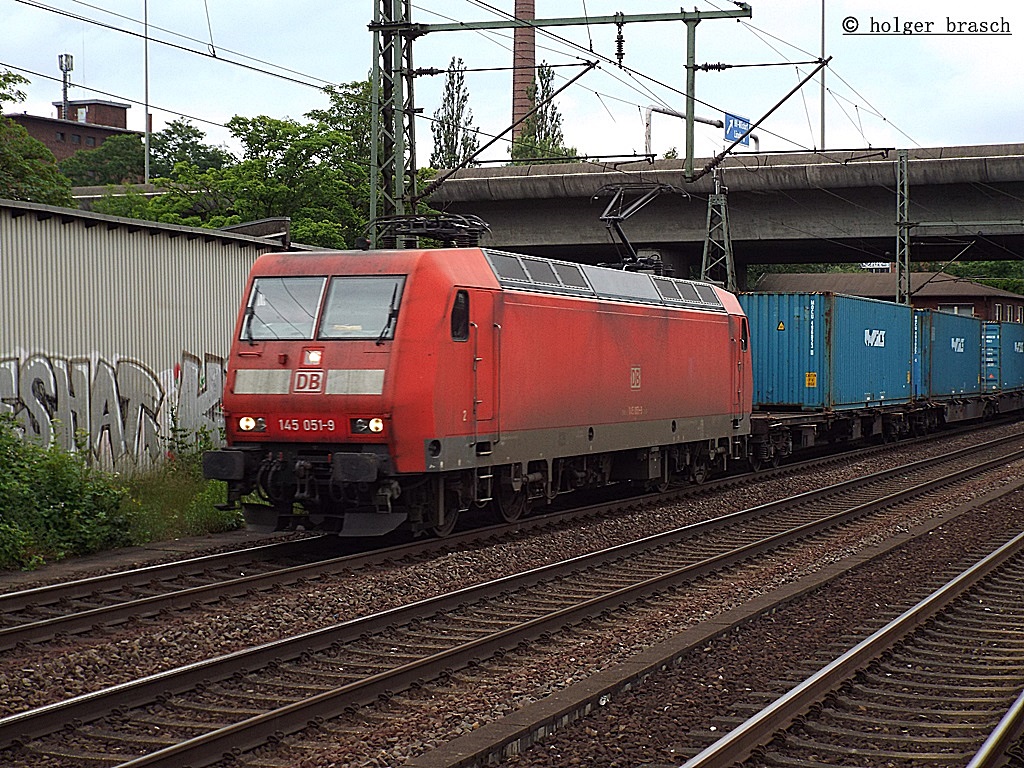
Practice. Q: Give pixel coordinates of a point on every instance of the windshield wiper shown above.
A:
(250, 311)
(392, 314)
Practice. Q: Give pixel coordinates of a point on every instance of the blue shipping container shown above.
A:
(947, 354)
(814, 351)
(1004, 357)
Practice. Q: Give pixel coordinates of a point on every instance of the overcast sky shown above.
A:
(950, 87)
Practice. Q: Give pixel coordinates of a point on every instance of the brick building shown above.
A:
(90, 123)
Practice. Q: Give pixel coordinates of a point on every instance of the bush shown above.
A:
(54, 504)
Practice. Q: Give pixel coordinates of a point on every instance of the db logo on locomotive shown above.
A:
(310, 382)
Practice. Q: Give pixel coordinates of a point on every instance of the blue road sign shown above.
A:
(735, 127)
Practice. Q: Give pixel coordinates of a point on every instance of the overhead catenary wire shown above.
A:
(322, 82)
(111, 95)
(632, 73)
(77, 17)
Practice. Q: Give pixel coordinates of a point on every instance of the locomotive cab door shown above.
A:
(475, 314)
(739, 331)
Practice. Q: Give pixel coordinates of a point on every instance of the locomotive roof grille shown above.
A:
(530, 273)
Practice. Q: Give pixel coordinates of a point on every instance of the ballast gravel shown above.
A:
(37, 676)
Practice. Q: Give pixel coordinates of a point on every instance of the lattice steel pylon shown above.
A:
(392, 160)
(718, 265)
(392, 132)
(903, 226)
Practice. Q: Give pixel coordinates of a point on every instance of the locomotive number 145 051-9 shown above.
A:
(306, 425)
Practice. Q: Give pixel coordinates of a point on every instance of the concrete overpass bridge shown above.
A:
(836, 206)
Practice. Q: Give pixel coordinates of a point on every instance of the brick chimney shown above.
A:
(524, 59)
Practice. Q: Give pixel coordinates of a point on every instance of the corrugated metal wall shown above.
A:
(110, 325)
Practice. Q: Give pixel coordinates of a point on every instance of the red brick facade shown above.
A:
(91, 123)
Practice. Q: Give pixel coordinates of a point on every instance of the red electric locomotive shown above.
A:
(370, 390)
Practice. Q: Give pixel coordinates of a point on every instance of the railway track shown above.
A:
(939, 685)
(43, 613)
(196, 714)
(52, 611)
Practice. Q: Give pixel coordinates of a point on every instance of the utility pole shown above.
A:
(145, 38)
(718, 264)
(822, 76)
(903, 226)
(393, 130)
(66, 63)
(393, 153)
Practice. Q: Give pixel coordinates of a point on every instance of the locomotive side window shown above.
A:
(460, 317)
(508, 267)
(362, 307)
(668, 289)
(688, 292)
(541, 271)
(282, 308)
(571, 275)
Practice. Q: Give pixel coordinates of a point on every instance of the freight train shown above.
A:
(374, 390)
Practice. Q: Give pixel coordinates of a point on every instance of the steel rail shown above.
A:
(1008, 732)
(23, 634)
(737, 745)
(26, 725)
(111, 582)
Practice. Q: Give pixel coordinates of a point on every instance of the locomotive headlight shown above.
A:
(367, 426)
(312, 356)
(249, 424)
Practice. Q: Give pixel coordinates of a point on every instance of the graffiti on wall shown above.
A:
(118, 410)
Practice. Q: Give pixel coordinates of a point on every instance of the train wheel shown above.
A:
(446, 514)
(511, 505)
(451, 517)
(699, 470)
(756, 463)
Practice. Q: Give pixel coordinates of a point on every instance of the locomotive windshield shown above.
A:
(282, 308)
(362, 307)
(354, 308)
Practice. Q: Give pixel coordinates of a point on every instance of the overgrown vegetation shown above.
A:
(54, 505)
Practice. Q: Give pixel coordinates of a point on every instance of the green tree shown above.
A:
(28, 170)
(541, 135)
(9, 91)
(455, 138)
(118, 160)
(351, 114)
(182, 142)
(316, 173)
(287, 168)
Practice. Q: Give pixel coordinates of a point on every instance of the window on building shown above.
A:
(998, 313)
(957, 309)
(76, 139)
(60, 136)
(1020, 314)
(90, 141)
